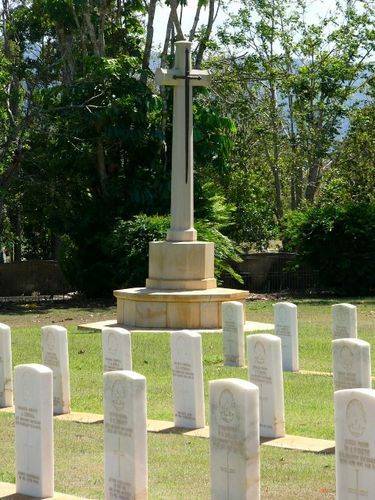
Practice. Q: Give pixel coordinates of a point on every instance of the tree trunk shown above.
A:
(312, 182)
(203, 43)
(195, 22)
(176, 21)
(149, 39)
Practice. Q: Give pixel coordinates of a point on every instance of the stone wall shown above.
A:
(29, 277)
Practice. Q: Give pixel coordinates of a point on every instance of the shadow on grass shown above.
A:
(337, 300)
(46, 306)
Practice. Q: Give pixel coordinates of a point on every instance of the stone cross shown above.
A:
(234, 440)
(34, 430)
(6, 382)
(182, 78)
(355, 443)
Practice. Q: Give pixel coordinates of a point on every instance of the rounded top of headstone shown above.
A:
(353, 393)
(234, 383)
(267, 337)
(34, 367)
(186, 333)
(58, 329)
(4, 327)
(350, 342)
(124, 374)
(233, 303)
(115, 329)
(290, 305)
(344, 305)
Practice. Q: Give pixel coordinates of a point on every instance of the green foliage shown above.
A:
(352, 174)
(121, 259)
(338, 241)
(288, 84)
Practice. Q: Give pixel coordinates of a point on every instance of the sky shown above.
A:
(318, 8)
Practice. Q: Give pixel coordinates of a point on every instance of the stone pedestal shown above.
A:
(177, 309)
(181, 290)
(181, 265)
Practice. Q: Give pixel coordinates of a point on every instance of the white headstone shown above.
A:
(344, 321)
(187, 374)
(125, 435)
(234, 440)
(6, 381)
(34, 430)
(266, 372)
(351, 364)
(355, 444)
(286, 327)
(55, 355)
(117, 352)
(233, 333)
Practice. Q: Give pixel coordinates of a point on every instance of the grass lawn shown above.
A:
(179, 465)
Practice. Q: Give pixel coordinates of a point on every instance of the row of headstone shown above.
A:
(234, 437)
(354, 403)
(125, 433)
(286, 327)
(265, 371)
(344, 325)
(54, 356)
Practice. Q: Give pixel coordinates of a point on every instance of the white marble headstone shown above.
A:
(117, 352)
(355, 444)
(286, 327)
(34, 430)
(266, 372)
(234, 440)
(351, 364)
(344, 321)
(55, 355)
(233, 320)
(6, 380)
(187, 375)
(125, 435)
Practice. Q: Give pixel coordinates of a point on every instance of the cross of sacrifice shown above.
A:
(182, 78)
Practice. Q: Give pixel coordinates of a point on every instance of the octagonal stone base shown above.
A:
(150, 308)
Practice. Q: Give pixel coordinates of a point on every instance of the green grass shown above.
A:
(178, 465)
